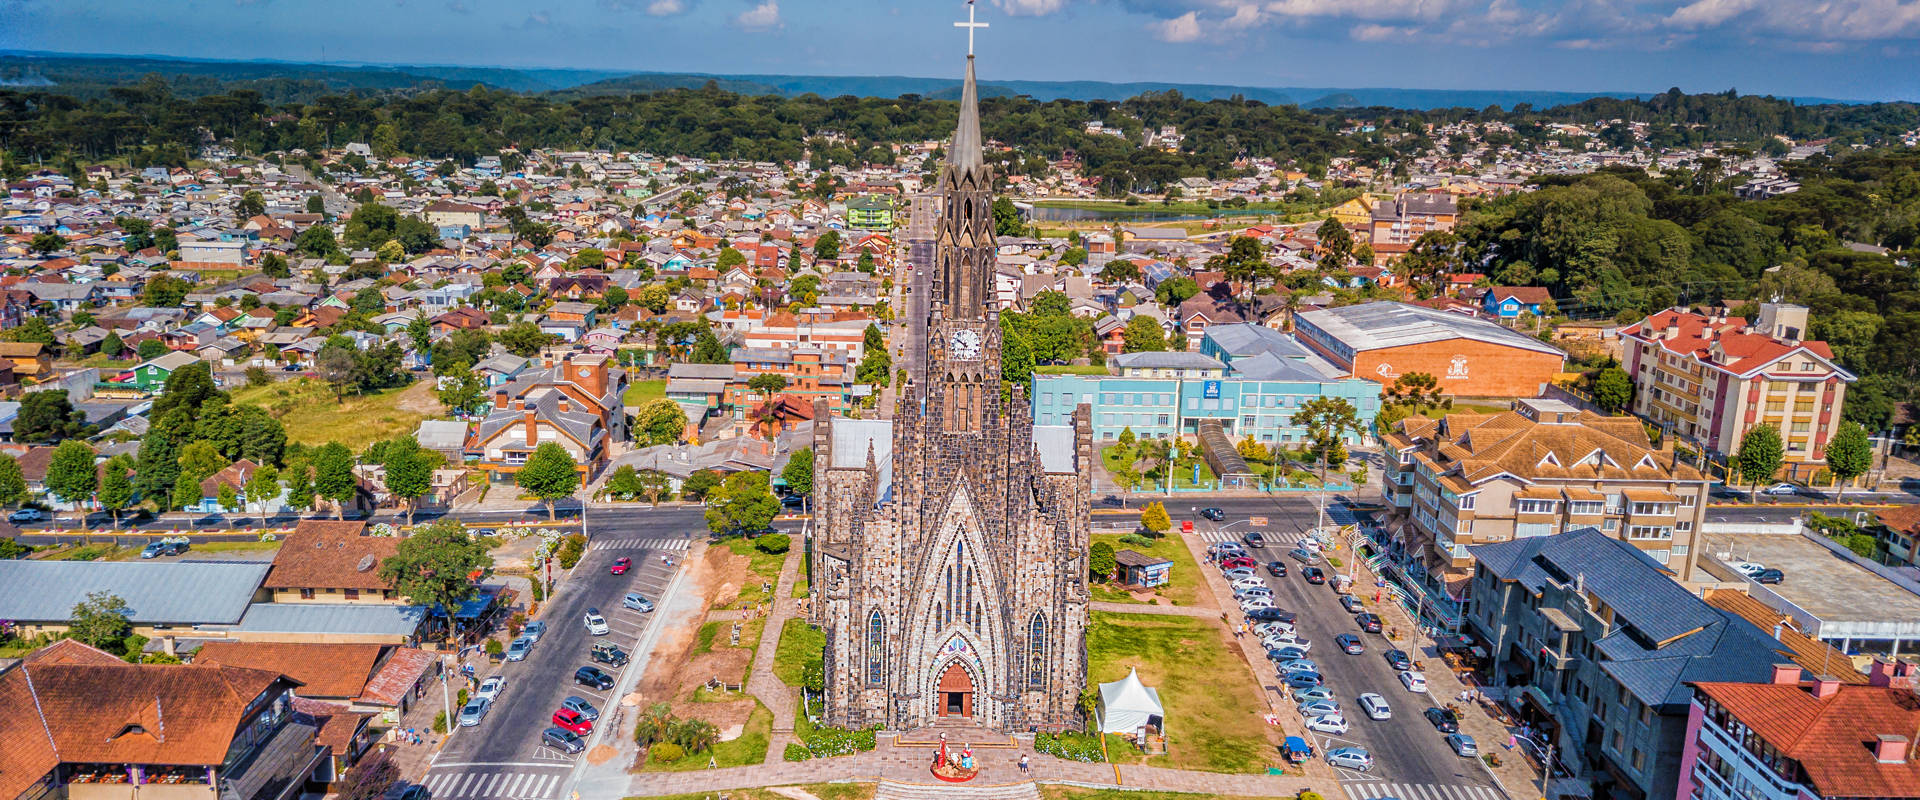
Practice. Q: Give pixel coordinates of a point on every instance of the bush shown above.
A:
(666, 753)
(1070, 746)
(797, 752)
(825, 742)
(1311, 795)
(440, 722)
(571, 549)
(773, 543)
(494, 647)
(1136, 540)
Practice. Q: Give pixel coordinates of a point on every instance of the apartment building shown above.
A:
(1792, 739)
(1597, 644)
(811, 372)
(1398, 223)
(1711, 379)
(1541, 469)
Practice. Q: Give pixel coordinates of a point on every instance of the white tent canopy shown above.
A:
(1127, 704)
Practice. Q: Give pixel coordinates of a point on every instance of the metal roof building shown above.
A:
(162, 593)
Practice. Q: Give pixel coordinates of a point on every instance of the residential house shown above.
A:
(811, 374)
(1791, 738)
(514, 428)
(328, 561)
(446, 213)
(1509, 302)
(30, 359)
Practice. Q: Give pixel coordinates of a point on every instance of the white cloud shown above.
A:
(763, 17)
(668, 8)
(1184, 28)
(1030, 8)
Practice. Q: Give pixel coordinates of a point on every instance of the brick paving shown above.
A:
(778, 697)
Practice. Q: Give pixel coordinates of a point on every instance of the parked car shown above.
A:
(1296, 665)
(474, 711)
(1354, 758)
(1266, 629)
(1746, 567)
(534, 630)
(1414, 681)
(1247, 581)
(1287, 640)
(1238, 573)
(1328, 723)
(1313, 693)
(1781, 489)
(1768, 576)
(1398, 660)
(1304, 556)
(491, 688)
(1301, 680)
(1239, 561)
(1319, 708)
(1349, 644)
(572, 721)
(596, 624)
(634, 601)
(609, 653)
(1443, 720)
(1277, 569)
(1369, 621)
(563, 740)
(620, 565)
(518, 649)
(26, 515)
(1314, 575)
(415, 792)
(1462, 745)
(1213, 514)
(1272, 615)
(1375, 706)
(579, 705)
(163, 548)
(1251, 604)
(594, 677)
(1351, 604)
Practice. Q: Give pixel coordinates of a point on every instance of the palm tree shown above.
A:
(654, 724)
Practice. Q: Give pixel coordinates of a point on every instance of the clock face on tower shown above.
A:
(965, 346)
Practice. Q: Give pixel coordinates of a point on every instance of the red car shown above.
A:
(571, 720)
(620, 565)
(1239, 561)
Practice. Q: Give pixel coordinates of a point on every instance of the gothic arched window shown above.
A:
(949, 604)
(1037, 651)
(876, 647)
(973, 618)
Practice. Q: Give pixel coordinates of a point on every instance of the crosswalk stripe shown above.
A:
(462, 790)
(434, 783)
(552, 784)
(535, 785)
(640, 544)
(1370, 790)
(1351, 794)
(513, 790)
(492, 785)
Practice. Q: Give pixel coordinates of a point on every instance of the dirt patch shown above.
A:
(730, 571)
(730, 716)
(601, 754)
(420, 399)
(728, 664)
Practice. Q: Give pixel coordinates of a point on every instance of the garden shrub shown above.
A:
(666, 753)
(797, 752)
(1070, 746)
(571, 550)
(1136, 540)
(773, 543)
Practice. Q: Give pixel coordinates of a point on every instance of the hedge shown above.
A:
(1070, 746)
(828, 742)
(797, 752)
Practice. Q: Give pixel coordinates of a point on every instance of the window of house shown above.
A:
(1639, 759)
(1534, 506)
(1164, 419)
(1679, 549)
(1644, 532)
(1683, 525)
(1106, 398)
(1776, 405)
(1527, 529)
(1797, 446)
(353, 594)
(1615, 741)
(1585, 507)
(1246, 422)
(1193, 404)
(306, 594)
(1166, 399)
(1046, 398)
(1688, 501)
(1106, 419)
(1466, 502)
(1106, 434)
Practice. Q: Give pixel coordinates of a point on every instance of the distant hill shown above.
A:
(985, 90)
(91, 75)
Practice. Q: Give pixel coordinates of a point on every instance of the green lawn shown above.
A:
(1070, 369)
(312, 416)
(719, 633)
(800, 644)
(1114, 457)
(643, 392)
(1213, 705)
(763, 569)
(750, 748)
(1183, 584)
(1438, 413)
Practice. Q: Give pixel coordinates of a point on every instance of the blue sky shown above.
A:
(1856, 49)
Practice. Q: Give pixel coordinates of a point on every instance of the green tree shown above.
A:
(274, 265)
(729, 258)
(699, 484)
(262, 487)
(462, 392)
(1143, 334)
(798, 474)
(742, 503)
(708, 350)
(101, 620)
(316, 205)
(116, 486)
(1338, 242)
(549, 474)
(1006, 218)
(44, 243)
(1328, 420)
(1849, 455)
(1761, 455)
(164, 291)
(333, 477)
(1100, 561)
(1016, 357)
(1154, 518)
(251, 205)
(72, 476)
(436, 566)
(767, 383)
(13, 484)
(317, 241)
(47, 417)
(827, 247)
(229, 500)
(300, 492)
(409, 473)
(1613, 389)
(151, 349)
(113, 346)
(374, 774)
(660, 421)
(524, 339)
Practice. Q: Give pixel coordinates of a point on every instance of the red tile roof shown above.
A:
(1833, 738)
(328, 670)
(393, 681)
(1697, 333)
(328, 554)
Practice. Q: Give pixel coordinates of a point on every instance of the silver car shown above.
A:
(1462, 745)
(1319, 708)
(474, 711)
(579, 705)
(1354, 758)
(534, 630)
(517, 649)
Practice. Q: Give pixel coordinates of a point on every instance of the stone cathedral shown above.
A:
(950, 542)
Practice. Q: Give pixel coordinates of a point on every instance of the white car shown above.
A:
(1243, 594)
(491, 688)
(1414, 681)
(1287, 640)
(1781, 488)
(1747, 568)
(1252, 603)
(1329, 723)
(1375, 706)
(1249, 583)
(1266, 629)
(1239, 574)
(596, 624)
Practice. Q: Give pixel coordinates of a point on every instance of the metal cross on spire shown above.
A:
(969, 25)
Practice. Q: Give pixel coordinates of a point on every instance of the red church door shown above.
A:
(956, 692)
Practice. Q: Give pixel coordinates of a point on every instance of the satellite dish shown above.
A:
(366, 563)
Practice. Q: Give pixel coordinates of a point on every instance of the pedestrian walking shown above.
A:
(1023, 765)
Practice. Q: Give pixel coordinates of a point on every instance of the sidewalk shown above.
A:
(778, 697)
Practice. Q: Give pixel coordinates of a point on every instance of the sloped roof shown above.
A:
(1811, 654)
(1747, 353)
(48, 590)
(327, 670)
(328, 554)
(1588, 446)
(1832, 738)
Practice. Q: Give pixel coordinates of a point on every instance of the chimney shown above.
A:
(499, 399)
(1673, 330)
(1825, 686)
(533, 431)
(546, 359)
(1880, 674)
(519, 403)
(1786, 674)
(1890, 748)
(564, 405)
(1776, 630)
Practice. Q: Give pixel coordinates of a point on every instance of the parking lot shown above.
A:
(1411, 760)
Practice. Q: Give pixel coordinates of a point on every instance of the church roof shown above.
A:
(965, 151)
(852, 437)
(1055, 443)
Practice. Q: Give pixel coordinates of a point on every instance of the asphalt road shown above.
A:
(1410, 757)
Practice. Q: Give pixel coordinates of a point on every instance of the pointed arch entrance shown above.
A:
(956, 692)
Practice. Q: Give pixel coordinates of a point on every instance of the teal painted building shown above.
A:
(1252, 381)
